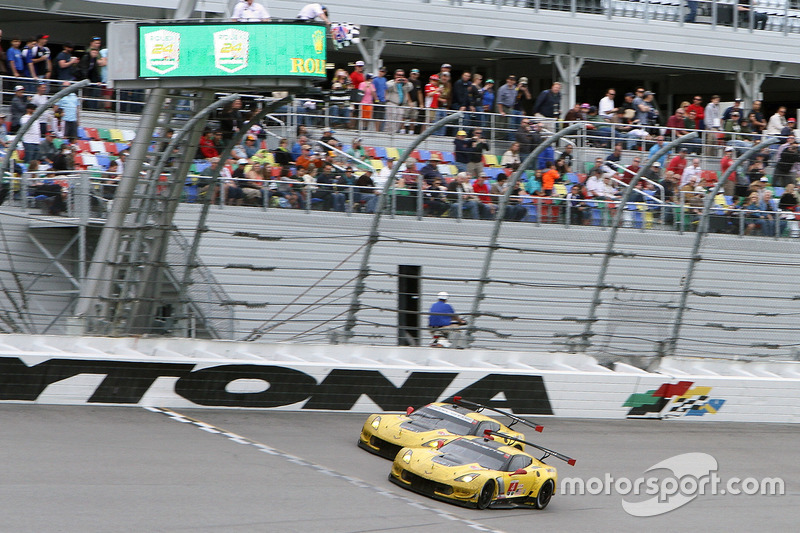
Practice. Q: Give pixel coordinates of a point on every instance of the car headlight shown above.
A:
(435, 443)
(407, 457)
(376, 422)
(466, 478)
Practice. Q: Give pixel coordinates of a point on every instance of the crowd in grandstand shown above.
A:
(467, 181)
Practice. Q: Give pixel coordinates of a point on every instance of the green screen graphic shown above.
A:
(201, 50)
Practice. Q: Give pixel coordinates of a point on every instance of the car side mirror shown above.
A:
(519, 472)
(409, 410)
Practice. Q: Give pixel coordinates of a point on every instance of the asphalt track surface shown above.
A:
(130, 469)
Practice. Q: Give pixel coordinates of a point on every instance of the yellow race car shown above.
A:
(479, 472)
(434, 424)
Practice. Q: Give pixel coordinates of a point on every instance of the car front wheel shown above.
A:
(486, 497)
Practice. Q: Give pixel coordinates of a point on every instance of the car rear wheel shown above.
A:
(486, 497)
(545, 494)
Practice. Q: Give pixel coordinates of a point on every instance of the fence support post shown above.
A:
(601, 276)
(702, 229)
(499, 216)
(363, 271)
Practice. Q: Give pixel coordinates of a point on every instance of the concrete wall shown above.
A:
(184, 373)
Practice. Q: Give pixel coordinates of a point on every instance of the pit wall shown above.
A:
(218, 374)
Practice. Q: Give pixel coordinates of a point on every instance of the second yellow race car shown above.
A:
(479, 472)
(435, 424)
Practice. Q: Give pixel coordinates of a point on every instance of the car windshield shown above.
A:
(464, 452)
(436, 417)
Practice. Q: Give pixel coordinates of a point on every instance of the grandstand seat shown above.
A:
(121, 147)
(84, 146)
(111, 148)
(200, 166)
(423, 155)
(116, 135)
(377, 164)
(393, 152)
(92, 134)
(104, 134)
(573, 178)
(559, 189)
(128, 135)
(452, 170)
(82, 133)
(493, 172)
(97, 146)
(380, 152)
(449, 157)
(89, 159)
(439, 155)
(103, 160)
(370, 151)
(416, 155)
(490, 160)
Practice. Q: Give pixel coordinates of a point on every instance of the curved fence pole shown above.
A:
(53, 100)
(501, 211)
(702, 229)
(601, 276)
(363, 270)
(201, 228)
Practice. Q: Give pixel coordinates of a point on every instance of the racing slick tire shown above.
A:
(486, 496)
(545, 494)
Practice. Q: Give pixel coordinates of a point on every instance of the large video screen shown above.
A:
(233, 49)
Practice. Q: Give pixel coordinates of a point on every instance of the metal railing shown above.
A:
(771, 15)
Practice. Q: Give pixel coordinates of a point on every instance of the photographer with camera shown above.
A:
(398, 93)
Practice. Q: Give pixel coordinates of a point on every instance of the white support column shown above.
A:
(568, 68)
(185, 9)
(748, 87)
(371, 46)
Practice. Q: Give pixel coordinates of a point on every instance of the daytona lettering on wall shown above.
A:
(126, 382)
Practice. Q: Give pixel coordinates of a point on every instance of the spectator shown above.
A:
(297, 147)
(506, 98)
(699, 110)
(479, 145)
(579, 210)
(3, 131)
(3, 69)
(524, 98)
(327, 191)
(713, 114)
(16, 63)
(368, 99)
(528, 137)
(549, 178)
(206, 148)
(430, 172)
(789, 128)
(776, 122)
(487, 205)
(735, 108)
(511, 157)
(314, 11)
(281, 154)
(678, 163)
(249, 11)
(548, 103)
(32, 137)
(39, 64)
(368, 193)
(47, 149)
(567, 157)
(736, 132)
(462, 197)
(691, 172)
(231, 119)
(756, 116)
(784, 174)
(445, 97)
(462, 150)
(514, 211)
(379, 82)
(18, 105)
(339, 99)
(725, 163)
(65, 63)
(398, 93)
(606, 107)
(487, 101)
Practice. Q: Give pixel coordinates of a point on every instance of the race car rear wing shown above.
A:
(514, 418)
(488, 434)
